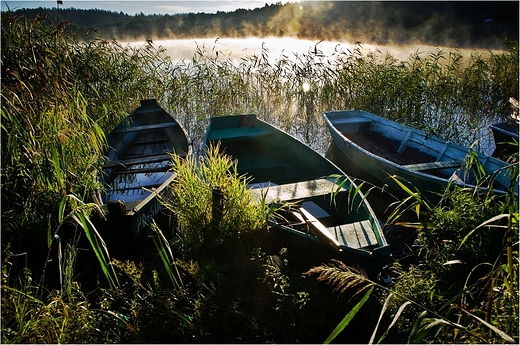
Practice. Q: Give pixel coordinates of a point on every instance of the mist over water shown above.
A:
(278, 47)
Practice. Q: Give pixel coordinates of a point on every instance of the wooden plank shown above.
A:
(148, 186)
(379, 146)
(434, 165)
(355, 235)
(146, 127)
(296, 191)
(146, 141)
(138, 160)
(155, 109)
(320, 230)
(144, 170)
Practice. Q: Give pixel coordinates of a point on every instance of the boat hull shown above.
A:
(505, 135)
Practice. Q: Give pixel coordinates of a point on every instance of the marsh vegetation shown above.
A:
(455, 276)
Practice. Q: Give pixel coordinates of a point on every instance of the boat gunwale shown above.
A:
(495, 127)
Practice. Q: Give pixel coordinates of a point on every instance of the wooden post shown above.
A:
(218, 203)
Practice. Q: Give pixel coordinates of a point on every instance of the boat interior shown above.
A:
(141, 160)
(311, 207)
(411, 150)
(267, 156)
(278, 174)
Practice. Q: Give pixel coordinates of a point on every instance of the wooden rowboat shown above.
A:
(138, 165)
(319, 225)
(505, 135)
(374, 148)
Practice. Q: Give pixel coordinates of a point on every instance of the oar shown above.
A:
(321, 231)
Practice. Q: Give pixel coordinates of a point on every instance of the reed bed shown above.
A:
(60, 95)
(441, 93)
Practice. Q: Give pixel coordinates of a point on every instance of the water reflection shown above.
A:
(134, 182)
(277, 48)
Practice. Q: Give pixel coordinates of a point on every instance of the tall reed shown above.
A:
(59, 97)
(444, 93)
(472, 235)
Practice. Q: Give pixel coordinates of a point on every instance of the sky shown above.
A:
(132, 7)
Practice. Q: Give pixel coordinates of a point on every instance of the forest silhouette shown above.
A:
(477, 24)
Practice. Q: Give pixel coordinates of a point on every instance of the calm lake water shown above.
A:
(236, 48)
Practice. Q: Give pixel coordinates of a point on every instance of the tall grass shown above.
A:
(59, 97)
(213, 206)
(442, 92)
(466, 266)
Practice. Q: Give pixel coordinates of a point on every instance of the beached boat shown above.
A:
(138, 165)
(374, 148)
(320, 224)
(505, 135)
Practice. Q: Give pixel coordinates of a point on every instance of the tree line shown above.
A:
(476, 24)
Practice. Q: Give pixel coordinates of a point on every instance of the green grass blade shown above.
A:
(502, 334)
(163, 248)
(341, 326)
(394, 320)
(486, 223)
(63, 204)
(99, 248)
(385, 306)
(416, 327)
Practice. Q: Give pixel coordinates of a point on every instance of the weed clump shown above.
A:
(214, 208)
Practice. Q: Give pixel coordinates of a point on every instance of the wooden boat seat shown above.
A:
(434, 165)
(240, 133)
(147, 127)
(143, 170)
(150, 110)
(297, 190)
(139, 160)
(320, 230)
(354, 235)
(150, 186)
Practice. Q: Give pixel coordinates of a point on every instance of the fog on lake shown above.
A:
(278, 47)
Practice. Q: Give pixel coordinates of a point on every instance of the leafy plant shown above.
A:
(469, 234)
(80, 214)
(165, 252)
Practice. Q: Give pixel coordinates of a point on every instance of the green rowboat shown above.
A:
(327, 218)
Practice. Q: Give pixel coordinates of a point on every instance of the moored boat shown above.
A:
(505, 135)
(137, 170)
(374, 148)
(327, 218)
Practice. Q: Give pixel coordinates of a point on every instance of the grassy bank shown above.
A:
(62, 282)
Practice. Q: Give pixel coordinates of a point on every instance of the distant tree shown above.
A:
(427, 22)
